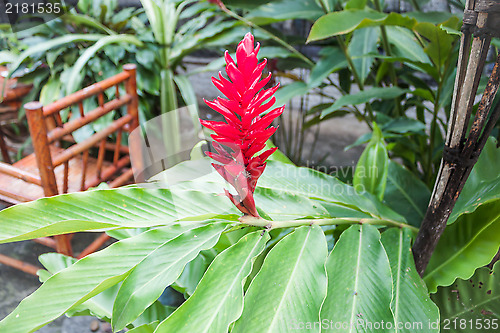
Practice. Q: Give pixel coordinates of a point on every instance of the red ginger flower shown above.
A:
(246, 130)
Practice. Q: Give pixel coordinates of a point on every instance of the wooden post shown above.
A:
(38, 132)
(462, 150)
(133, 109)
(131, 89)
(3, 148)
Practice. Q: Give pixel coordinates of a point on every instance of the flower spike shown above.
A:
(247, 123)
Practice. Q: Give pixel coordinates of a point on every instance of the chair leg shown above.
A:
(18, 264)
(94, 246)
(63, 245)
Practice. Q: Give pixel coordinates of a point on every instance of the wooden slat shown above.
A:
(100, 157)
(82, 111)
(78, 96)
(20, 174)
(65, 177)
(73, 125)
(90, 142)
(85, 161)
(117, 147)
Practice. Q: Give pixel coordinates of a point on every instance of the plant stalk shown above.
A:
(271, 35)
(270, 225)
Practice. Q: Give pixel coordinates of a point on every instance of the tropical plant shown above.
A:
(92, 42)
(395, 69)
(319, 254)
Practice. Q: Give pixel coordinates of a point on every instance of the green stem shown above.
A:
(260, 222)
(415, 5)
(358, 81)
(170, 117)
(388, 51)
(272, 36)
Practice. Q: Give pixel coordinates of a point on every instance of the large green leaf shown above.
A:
(101, 209)
(406, 194)
(406, 45)
(439, 43)
(218, 299)
(290, 285)
(284, 94)
(333, 59)
(50, 44)
(281, 205)
(284, 177)
(90, 276)
(276, 11)
(363, 42)
(343, 22)
(471, 242)
(372, 168)
(101, 305)
(158, 270)
(483, 184)
(471, 305)
(359, 282)
(364, 96)
(192, 274)
(146, 328)
(410, 301)
(75, 76)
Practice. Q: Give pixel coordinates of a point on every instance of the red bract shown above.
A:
(246, 130)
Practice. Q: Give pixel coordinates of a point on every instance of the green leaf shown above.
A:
(410, 300)
(218, 299)
(115, 208)
(406, 194)
(146, 328)
(75, 75)
(439, 44)
(327, 5)
(80, 19)
(50, 91)
(53, 43)
(363, 42)
(471, 305)
(364, 96)
(191, 275)
(87, 278)
(403, 125)
(431, 17)
(158, 270)
(283, 177)
(281, 205)
(290, 285)
(372, 168)
(288, 178)
(355, 4)
(265, 52)
(406, 45)
(286, 93)
(359, 282)
(188, 95)
(332, 61)
(346, 21)
(471, 242)
(483, 184)
(276, 11)
(100, 306)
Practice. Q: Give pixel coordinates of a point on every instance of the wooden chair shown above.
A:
(60, 165)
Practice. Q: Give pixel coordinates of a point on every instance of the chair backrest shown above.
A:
(48, 131)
